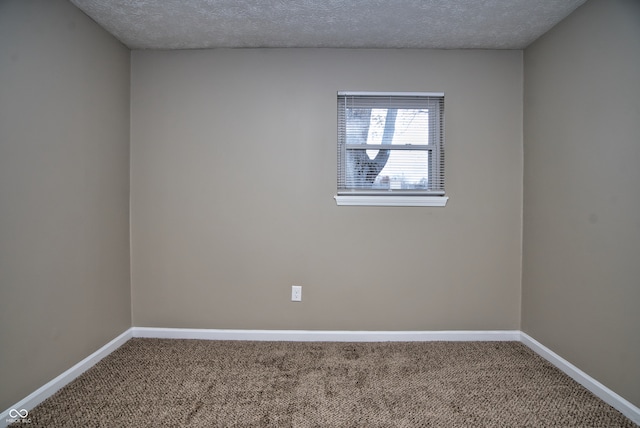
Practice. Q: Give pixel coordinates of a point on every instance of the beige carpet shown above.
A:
(195, 383)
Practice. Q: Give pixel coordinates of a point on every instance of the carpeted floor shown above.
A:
(196, 383)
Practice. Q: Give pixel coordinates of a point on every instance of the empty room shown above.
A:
(290, 213)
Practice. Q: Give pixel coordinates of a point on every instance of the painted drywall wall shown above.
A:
(64, 192)
(581, 273)
(233, 178)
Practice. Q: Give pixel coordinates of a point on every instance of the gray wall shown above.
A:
(581, 269)
(233, 177)
(64, 177)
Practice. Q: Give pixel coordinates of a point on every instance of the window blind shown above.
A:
(390, 143)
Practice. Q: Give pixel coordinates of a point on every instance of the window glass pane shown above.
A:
(389, 169)
(411, 126)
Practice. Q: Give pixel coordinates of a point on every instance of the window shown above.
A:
(390, 149)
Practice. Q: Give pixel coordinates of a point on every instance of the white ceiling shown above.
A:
(442, 24)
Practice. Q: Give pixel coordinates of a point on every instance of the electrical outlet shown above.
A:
(296, 293)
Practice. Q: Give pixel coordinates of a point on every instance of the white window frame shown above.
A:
(366, 197)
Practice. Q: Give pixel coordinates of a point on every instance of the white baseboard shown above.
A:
(326, 336)
(50, 388)
(601, 391)
(598, 389)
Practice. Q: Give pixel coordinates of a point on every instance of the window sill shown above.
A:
(392, 200)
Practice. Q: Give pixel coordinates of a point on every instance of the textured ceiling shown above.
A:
(443, 24)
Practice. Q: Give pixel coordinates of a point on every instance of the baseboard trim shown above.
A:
(599, 390)
(326, 336)
(51, 387)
